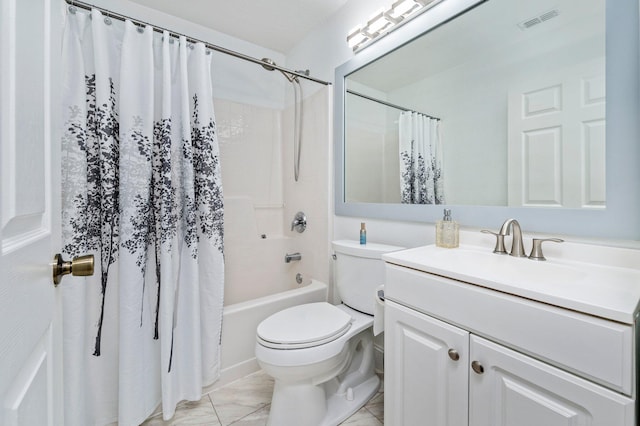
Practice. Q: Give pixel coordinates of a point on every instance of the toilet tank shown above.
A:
(359, 270)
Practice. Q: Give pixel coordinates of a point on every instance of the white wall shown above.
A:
(326, 47)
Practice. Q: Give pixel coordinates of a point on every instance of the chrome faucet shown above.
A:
(517, 248)
(293, 256)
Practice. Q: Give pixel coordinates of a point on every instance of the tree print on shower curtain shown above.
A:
(421, 180)
(142, 191)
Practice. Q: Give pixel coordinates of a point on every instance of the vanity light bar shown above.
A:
(387, 20)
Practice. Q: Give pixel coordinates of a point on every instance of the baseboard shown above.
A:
(233, 373)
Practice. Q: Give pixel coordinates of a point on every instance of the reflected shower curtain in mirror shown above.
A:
(421, 180)
(142, 192)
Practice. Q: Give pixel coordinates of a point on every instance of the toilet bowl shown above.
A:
(321, 356)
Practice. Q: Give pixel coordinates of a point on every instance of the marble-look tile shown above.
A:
(246, 402)
(376, 406)
(257, 418)
(189, 413)
(242, 397)
(362, 418)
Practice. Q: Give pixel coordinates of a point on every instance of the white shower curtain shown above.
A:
(142, 192)
(421, 180)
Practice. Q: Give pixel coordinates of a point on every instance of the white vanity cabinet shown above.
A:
(462, 353)
(512, 389)
(430, 380)
(426, 369)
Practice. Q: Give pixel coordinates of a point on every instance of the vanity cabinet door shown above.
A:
(507, 388)
(426, 370)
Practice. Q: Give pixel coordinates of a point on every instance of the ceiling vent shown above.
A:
(535, 20)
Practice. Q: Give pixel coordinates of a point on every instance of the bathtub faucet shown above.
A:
(293, 256)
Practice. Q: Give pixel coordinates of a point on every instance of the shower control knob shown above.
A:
(299, 222)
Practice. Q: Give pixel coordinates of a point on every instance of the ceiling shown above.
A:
(275, 24)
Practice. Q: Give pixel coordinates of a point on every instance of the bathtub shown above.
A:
(239, 323)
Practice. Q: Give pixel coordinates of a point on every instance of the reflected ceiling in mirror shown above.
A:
(519, 88)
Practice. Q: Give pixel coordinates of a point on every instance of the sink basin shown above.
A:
(487, 265)
(604, 291)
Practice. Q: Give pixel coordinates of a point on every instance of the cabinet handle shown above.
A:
(453, 354)
(477, 367)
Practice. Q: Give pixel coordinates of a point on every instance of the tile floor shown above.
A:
(246, 402)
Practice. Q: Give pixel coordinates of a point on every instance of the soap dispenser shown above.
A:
(447, 231)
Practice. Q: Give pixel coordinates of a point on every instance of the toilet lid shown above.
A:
(303, 326)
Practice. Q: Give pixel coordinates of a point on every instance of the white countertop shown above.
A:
(609, 292)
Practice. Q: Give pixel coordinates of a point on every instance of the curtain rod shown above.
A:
(114, 15)
(389, 104)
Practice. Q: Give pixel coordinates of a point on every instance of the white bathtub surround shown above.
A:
(312, 193)
(259, 138)
(251, 139)
(141, 191)
(251, 158)
(254, 266)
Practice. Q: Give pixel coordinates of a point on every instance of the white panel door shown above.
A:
(30, 363)
(515, 390)
(426, 370)
(556, 139)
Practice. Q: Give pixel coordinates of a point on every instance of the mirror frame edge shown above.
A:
(621, 217)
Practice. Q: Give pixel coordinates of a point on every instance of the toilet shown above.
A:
(321, 356)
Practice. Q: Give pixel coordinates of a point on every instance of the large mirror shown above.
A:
(496, 109)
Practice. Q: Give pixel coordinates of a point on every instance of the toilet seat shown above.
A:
(304, 326)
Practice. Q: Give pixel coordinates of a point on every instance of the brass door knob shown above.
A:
(81, 266)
